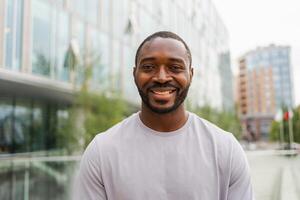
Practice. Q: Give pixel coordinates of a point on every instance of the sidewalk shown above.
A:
(289, 184)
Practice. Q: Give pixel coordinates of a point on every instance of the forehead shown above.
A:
(168, 47)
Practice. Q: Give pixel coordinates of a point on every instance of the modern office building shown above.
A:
(264, 86)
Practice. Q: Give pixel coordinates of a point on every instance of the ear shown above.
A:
(133, 70)
(191, 73)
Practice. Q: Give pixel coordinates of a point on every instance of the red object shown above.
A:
(286, 116)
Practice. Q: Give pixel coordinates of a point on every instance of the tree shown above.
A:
(275, 127)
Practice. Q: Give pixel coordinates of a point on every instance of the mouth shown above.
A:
(162, 95)
(163, 91)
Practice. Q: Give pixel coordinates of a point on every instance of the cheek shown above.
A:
(141, 80)
(183, 80)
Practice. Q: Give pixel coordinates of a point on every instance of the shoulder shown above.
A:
(119, 128)
(210, 130)
(116, 133)
(224, 143)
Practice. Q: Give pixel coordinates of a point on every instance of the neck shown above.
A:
(164, 122)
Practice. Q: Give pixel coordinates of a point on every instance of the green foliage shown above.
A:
(296, 124)
(274, 131)
(226, 120)
(275, 127)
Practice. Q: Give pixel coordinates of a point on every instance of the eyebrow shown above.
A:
(147, 59)
(153, 59)
(177, 60)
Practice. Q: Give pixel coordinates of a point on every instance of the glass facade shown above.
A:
(13, 34)
(112, 26)
(62, 45)
(28, 125)
(278, 58)
(41, 37)
(267, 87)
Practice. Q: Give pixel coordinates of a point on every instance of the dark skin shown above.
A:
(163, 61)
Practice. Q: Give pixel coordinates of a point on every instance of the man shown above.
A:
(163, 151)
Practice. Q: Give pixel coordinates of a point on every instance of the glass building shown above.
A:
(278, 59)
(46, 45)
(265, 86)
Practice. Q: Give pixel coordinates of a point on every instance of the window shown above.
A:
(106, 14)
(80, 41)
(62, 41)
(6, 122)
(13, 34)
(95, 57)
(92, 7)
(41, 38)
(128, 83)
(120, 17)
(117, 66)
(79, 7)
(21, 126)
(99, 47)
(27, 125)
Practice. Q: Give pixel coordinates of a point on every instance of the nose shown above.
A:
(162, 75)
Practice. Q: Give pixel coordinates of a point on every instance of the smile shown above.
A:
(163, 91)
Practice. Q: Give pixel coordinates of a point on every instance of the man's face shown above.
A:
(163, 74)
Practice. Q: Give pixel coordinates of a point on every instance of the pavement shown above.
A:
(275, 174)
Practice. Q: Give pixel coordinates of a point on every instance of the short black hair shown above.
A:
(164, 34)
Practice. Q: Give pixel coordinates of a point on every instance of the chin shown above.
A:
(163, 110)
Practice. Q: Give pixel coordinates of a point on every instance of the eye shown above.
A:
(176, 68)
(147, 67)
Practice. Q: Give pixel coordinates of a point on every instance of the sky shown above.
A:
(253, 23)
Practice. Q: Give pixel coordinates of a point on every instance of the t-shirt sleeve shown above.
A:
(88, 184)
(240, 181)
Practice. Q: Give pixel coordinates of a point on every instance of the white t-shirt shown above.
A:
(130, 161)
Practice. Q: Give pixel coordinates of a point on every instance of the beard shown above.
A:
(179, 99)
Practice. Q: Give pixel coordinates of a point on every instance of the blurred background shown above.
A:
(66, 75)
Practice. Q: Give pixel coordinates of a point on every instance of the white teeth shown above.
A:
(163, 92)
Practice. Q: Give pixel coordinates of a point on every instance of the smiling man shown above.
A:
(163, 152)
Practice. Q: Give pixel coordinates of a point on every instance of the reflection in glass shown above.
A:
(9, 34)
(80, 38)
(63, 70)
(41, 23)
(6, 122)
(117, 68)
(27, 125)
(13, 34)
(95, 56)
(79, 7)
(128, 83)
(106, 14)
(100, 76)
(19, 30)
(21, 126)
(38, 127)
(92, 7)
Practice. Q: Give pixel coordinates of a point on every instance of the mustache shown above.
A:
(161, 85)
